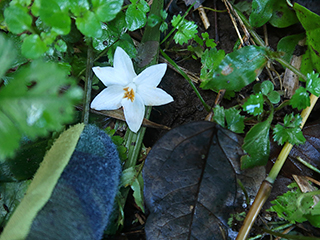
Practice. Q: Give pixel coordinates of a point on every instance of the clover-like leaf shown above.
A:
(186, 29)
(290, 131)
(33, 47)
(254, 104)
(313, 83)
(89, 24)
(266, 87)
(300, 99)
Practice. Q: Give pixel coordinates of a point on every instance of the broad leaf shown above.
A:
(106, 10)
(237, 69)
(35, 111)
(311, 23)
(190, 182)
(261, 12)
(89, 24)
(257, 145)
(7, 54)
(17, 19)
(282, 15)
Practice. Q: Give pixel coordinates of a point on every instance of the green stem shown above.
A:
(308, 165)
(173, 29)
(292, 68)
(88, 85)
(206, 106)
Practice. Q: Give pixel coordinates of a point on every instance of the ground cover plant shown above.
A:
(117, 64)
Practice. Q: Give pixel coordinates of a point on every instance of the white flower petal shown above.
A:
(153, 96)
(109, 99)
(134, 112)
(110, 76)
(152, 75)
(123, 64)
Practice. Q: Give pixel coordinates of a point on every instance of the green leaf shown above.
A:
(136, 15)
(274, 97)
(186, 29)
(257, 145)
(311, 23)
(229, 118)
(7, 54)
(137, 187)
(282, 15)
(35, 111)
(126, 43)
(286, 205)
(209, 42)
(313, 83)
(17, 18)
(254, 104)
(234, 120)
(261, 12)
(89, 25)
(219, 115)
(33, 47)
(109, 36)
(106, 10)
(51, 14)
(290, 131)
(237, 69)
(300, 99)
(210, 59)
(78, 7)
(61, 45)
(266, 87)
(288, 44)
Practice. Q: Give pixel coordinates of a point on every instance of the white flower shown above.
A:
(127, 89)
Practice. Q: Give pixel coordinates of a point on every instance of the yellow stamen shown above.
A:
(128, 94)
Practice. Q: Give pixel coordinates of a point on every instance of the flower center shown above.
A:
(129, 93)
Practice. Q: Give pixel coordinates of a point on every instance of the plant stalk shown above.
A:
(266, 186)
(88, 85)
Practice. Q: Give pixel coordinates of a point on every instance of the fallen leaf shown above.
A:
(190, 179)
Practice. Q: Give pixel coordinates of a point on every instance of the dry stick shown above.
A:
(266, 185)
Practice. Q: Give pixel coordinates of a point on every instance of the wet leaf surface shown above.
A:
(191, 183)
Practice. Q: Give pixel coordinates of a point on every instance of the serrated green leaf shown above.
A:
(136, 15)
(33, 47)
(290, 132)
(235, 122)
(311, 23)
(186, 30)
(219, 115)
(257, 145)
(106, 10)
(17, 19)
(261, 12)
(254, 104)
(237, 69)
(282, 15)
(7, 54)
(35, 111)
(89, 25)
(210, 59)
(300, 99)
(51, 14)
(286, 205)
(313, 83)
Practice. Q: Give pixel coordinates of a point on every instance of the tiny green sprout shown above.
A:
(186, 29)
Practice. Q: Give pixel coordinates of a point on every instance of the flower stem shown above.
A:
(206, 106)
(88, 85)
